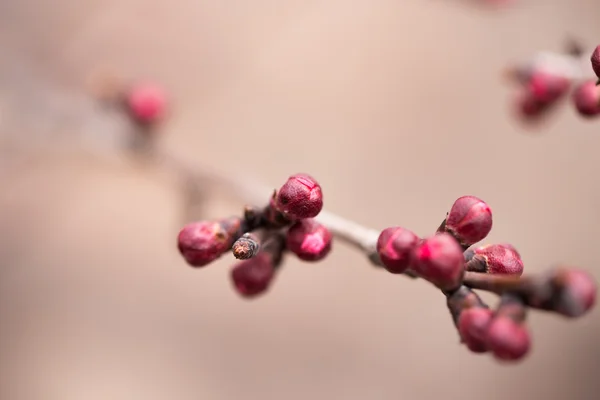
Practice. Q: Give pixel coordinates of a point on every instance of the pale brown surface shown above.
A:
(396, 107)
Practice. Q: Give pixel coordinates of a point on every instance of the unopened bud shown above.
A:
(439, 259)
(309, 240)
(587, 99)
(300, 197)
(495, 259)
(200, 243)
(395, 246)
(469, 220)
(253, 277)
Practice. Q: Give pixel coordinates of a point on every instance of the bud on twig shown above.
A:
(586, 97)
(395, 246)
(471, 317)
(309, 240)
(469, 220)
(200, 243)
(495, 259)
(253, 277)
(473, 325)
(507, 337)
(300, 197)
(439, 259)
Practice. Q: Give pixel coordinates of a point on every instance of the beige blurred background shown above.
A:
(397, 107)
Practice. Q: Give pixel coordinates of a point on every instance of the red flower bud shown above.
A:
(200, 243)
(253, 277)
(596, 61)
(576, 292)
(473, 324)
(394, 247)
(496, 259)
(300, 197)
(146, 103)
(507, 339)
(547, 88)
(587, 99)
(439, 259)
(309, 240)
(469, 220)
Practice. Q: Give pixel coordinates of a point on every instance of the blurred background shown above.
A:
(396, 107)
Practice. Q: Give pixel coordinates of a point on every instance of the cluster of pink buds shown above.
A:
(261, 237)
(450, 259)
(544, 84)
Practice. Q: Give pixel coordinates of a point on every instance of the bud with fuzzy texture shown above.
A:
(495, 259)
(587, 99)
(146, 103)
(200, 243)
(473, 325)
(394, 247)
(439, 259)
(300, 197)
(254, 276)
(596, 61)
(309, 240)
(507, 336)
(469, 220)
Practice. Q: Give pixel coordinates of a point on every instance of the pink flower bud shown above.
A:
(309, 240)
(200, 243)
(394, 247)
(507, 339)
(300, 197)
(253, 277)
(596, 61)
(587, 99)
(146, 103)
(547, 88)
(469, 220)
(439, 259)
(576, 292)
(473, 324)
(496, 259)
